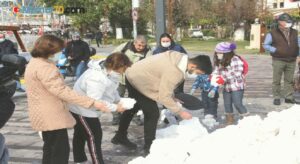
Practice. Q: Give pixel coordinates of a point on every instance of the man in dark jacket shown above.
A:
(78, 52)
(282, 43)
(7, 46)
(98, 38)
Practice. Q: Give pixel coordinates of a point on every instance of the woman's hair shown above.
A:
(46, 46)
(166, 35)
(116, 61)
(225, 61)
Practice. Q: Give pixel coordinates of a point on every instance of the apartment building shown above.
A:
(282, 5)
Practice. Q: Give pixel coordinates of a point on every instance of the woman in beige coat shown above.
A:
(47, 100)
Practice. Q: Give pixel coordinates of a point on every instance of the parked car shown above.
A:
(195, 33)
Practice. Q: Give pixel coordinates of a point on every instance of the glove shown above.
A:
(220, 80)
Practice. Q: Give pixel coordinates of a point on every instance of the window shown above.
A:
(274, 5)
(281, 4)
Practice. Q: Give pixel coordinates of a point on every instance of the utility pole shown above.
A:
(170, 16)
(135, 6)
(160, 19)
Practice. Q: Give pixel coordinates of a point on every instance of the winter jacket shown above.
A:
(156, 77)
(48, 96)
(174, 47)
(232, 75)
(96, 83)
(78, 50)
(129, 50)
(7, 47)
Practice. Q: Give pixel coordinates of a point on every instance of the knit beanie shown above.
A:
(225, 47)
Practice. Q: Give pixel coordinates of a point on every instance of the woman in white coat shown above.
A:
(100, 82)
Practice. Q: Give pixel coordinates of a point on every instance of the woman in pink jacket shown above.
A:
(47, 100)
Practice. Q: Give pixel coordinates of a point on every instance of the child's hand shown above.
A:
(120, 108)
(185, 115)
(101, 106)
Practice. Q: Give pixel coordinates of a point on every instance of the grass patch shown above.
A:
(193, 44)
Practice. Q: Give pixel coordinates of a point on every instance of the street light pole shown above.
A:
(160, 19)
(135, 5)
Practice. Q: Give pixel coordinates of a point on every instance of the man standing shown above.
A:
(151, 81)
(98, 38)
(136, 50)
(78, 52)
(282, 43)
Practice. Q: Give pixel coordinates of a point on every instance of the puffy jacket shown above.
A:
(78, 50)
(7, 47)
(98, 84)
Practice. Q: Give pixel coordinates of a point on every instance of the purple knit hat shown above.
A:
(225, 47)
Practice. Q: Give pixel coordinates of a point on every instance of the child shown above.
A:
(230, 67)
(209, 92)
(100, 82)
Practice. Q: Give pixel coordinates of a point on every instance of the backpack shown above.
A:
(245, 65)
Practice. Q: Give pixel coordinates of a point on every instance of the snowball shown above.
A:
(127, 103)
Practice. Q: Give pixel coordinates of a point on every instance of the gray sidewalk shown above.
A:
(25, 146)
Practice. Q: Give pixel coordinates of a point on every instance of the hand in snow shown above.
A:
(101, 106)
(185, 115)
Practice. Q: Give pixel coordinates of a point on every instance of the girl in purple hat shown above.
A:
(230, 67)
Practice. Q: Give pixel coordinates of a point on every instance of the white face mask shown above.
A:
(114, 76)
(220, 56)
(190, 76)
(288, 25)
(165, 44)
(2, 39)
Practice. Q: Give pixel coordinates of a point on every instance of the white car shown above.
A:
(195, 33)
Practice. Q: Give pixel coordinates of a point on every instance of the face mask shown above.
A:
(220, 56)
(288, 25)
(190, 74)
(165, 44)
(2, 39)
(114, 76)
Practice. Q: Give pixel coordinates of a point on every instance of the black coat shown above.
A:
(79, 51)
(7, 47)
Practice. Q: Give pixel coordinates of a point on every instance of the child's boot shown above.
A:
(229, 119)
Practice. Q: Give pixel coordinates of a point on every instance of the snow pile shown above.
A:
(210, 122)
(274, 140)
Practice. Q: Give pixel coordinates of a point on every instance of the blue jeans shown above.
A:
(210, 104)
(79, 69)
(235, 98)
(4, 155)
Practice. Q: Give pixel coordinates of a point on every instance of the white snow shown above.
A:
(127, 103)
(273, 140)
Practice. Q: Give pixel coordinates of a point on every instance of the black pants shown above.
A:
(210, 104)
(87, 130)
(151, 115)
(7, 106)
(99, 42)
(56, 147)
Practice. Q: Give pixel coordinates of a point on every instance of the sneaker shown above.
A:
(123, 141)
(276, 102)
(289, 101)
